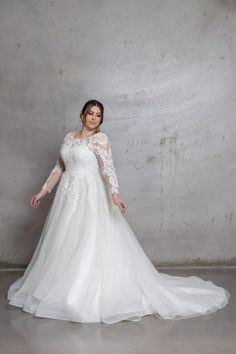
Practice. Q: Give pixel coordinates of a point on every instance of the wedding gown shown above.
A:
(88, 265)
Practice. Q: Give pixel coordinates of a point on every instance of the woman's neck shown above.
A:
(85, 133)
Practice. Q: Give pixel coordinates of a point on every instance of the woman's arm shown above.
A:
(102, 148)
(54, 176)
(51, 181)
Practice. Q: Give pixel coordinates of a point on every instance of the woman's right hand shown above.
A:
(36, 199)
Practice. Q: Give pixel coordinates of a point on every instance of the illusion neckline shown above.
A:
(88, 137)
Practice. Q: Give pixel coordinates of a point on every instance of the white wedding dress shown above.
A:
(88, 265)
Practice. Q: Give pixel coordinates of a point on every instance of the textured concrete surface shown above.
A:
(22, 333)
(165, 71)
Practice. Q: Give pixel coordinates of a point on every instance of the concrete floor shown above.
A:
(22, 333)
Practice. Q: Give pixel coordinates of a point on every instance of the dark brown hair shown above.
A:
(87, 106)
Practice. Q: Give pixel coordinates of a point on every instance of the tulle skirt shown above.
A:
(88, 266)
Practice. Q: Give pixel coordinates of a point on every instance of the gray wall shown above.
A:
(165, 71)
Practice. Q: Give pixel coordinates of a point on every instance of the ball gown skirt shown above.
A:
(88, 265)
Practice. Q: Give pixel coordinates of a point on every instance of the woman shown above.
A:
(88, 265)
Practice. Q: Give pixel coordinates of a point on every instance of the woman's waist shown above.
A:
(81, 172)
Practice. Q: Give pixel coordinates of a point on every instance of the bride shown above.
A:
(88, 265)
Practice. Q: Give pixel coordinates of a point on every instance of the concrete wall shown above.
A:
(165, 72)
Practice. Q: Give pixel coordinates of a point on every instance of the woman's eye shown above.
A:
(91, 113)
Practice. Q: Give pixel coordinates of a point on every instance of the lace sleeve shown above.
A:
(102, 148)
(55, 173)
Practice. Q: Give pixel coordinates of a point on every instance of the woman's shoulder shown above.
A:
(67, 137)
(101, 134)
(68, 134)
(101, 137)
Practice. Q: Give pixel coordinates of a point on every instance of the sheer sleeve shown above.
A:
(55, 173)
(102, 148)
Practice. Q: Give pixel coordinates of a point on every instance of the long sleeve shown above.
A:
(54, 175)
(102, 148)
(56, 172)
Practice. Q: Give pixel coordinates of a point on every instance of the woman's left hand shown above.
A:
(118, 201)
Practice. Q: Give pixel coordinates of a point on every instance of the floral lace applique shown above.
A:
(71, 187)
(101, 147)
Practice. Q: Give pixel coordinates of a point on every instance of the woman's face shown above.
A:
(93, 118)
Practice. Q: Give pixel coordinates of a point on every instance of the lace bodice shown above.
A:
(71, 159)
